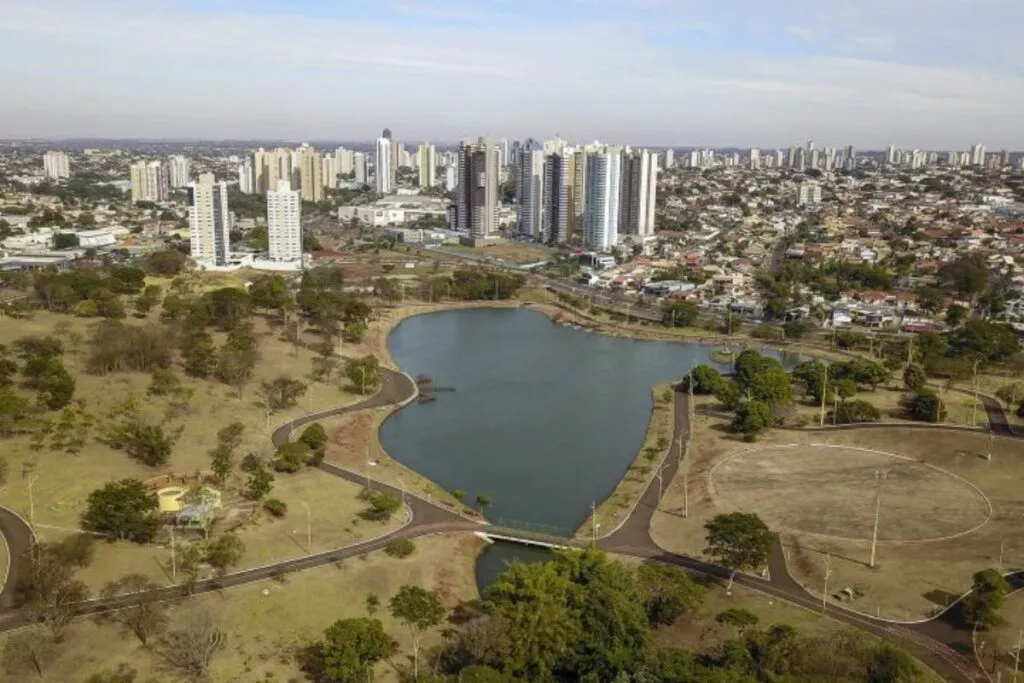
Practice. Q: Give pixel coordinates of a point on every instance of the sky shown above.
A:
(930, 74)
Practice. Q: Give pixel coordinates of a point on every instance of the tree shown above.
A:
(849, 412)
(192, 645)
(166, 263)
(222, 461)
(363, 373)
(1009, 394)
(419, 609)
(259, 484)
(228, 307)
(382, 505)
(752, 418)
(144, 617)
(225, 553)
(738, 619)
(667, 592)
(956, 314)
(983, 340)
(738, 540)
(679, 313)
(28, 652)
(459, 494)
(968, 274)
(706, 380)
(163, 382)
(350, 649)
(291, 457)
(914, 377)
(981, 605)
(890, 664)
(372, 604)
(798, 329)
(762, 378)
(924, 406)
(483, 501)
(124, 509)
(65, 240)
(281, 393)
(149, 298)
(846, 388)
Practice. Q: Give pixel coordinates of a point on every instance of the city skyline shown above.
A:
(935, 75)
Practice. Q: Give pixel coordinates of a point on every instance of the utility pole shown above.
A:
(368, 465)
(880, 476)
(686, 483)
(991, 438)
(828, 574)
(660, 486)
(174, 562)
(309, 528)
(910, 352)
(594, 524)
(974, 405)
(32, 504)
(1016, 656)
(824, 391)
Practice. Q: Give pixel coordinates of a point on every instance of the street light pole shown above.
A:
(974, 404)
(32, 504)
(880, 476)
(593, 520)
(309, 528)
(828, 573)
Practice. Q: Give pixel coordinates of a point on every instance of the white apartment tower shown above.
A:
(426, 160)
(529, 183)
(149, 181)
(978, 155)
(383, 168)
(345, 159)
(556, 212)
(284, 223)
(809, 192)
(311, 174)
(601, 205)
(476, 198)
(56, 165)
(246, 178)
(179, 169)
(639, 182)
(208, 221)
(755, 159)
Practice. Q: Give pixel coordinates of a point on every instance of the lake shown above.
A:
(544, 419)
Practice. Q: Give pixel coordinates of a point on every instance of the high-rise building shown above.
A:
(809, 192)
(383, 167)
(345, 158)
(246, 180)
(601, 210)
(311, 170)
(670, 158)
(209, 220)
(530, 191)
(639, 182)
(359, 173)
(755, 159)
(271, 166)
(476, 198)
(451, 177)
(556, 212)
(577, 187)
(978, 155)
(284, 223)
(851, 158)
(392, 160)
(179, 170)
(1004, 159)
(329, 170)
(56, 165)
(426, 160)
(149, 181)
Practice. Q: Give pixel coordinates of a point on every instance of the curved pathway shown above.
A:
(17, 535)
(935, 642)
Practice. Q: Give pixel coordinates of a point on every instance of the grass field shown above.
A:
(266, 622)
(61, 482)
(827, 504)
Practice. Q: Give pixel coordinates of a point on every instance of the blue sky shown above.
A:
(915, 73)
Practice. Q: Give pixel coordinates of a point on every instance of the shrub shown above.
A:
(291, 457)
(276, 507)
(401, 547)
(856, 411)
(250, 463)
(382, 505)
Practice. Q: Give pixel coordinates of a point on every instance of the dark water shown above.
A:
(498, 556)
(545, 419)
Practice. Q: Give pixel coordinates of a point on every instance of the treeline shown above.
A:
(583, 617)
(473, 285)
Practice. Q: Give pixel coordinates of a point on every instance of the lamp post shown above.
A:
(32, 504)
(369, 464)
(309, 528)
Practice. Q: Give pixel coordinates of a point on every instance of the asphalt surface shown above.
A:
(18, 536)
(939, 642)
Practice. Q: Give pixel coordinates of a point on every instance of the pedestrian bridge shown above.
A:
(547, 538)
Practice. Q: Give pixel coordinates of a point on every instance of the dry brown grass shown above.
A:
(911, 579)
(63, 481)
(266, 621)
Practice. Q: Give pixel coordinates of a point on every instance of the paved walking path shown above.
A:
(938, 642)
